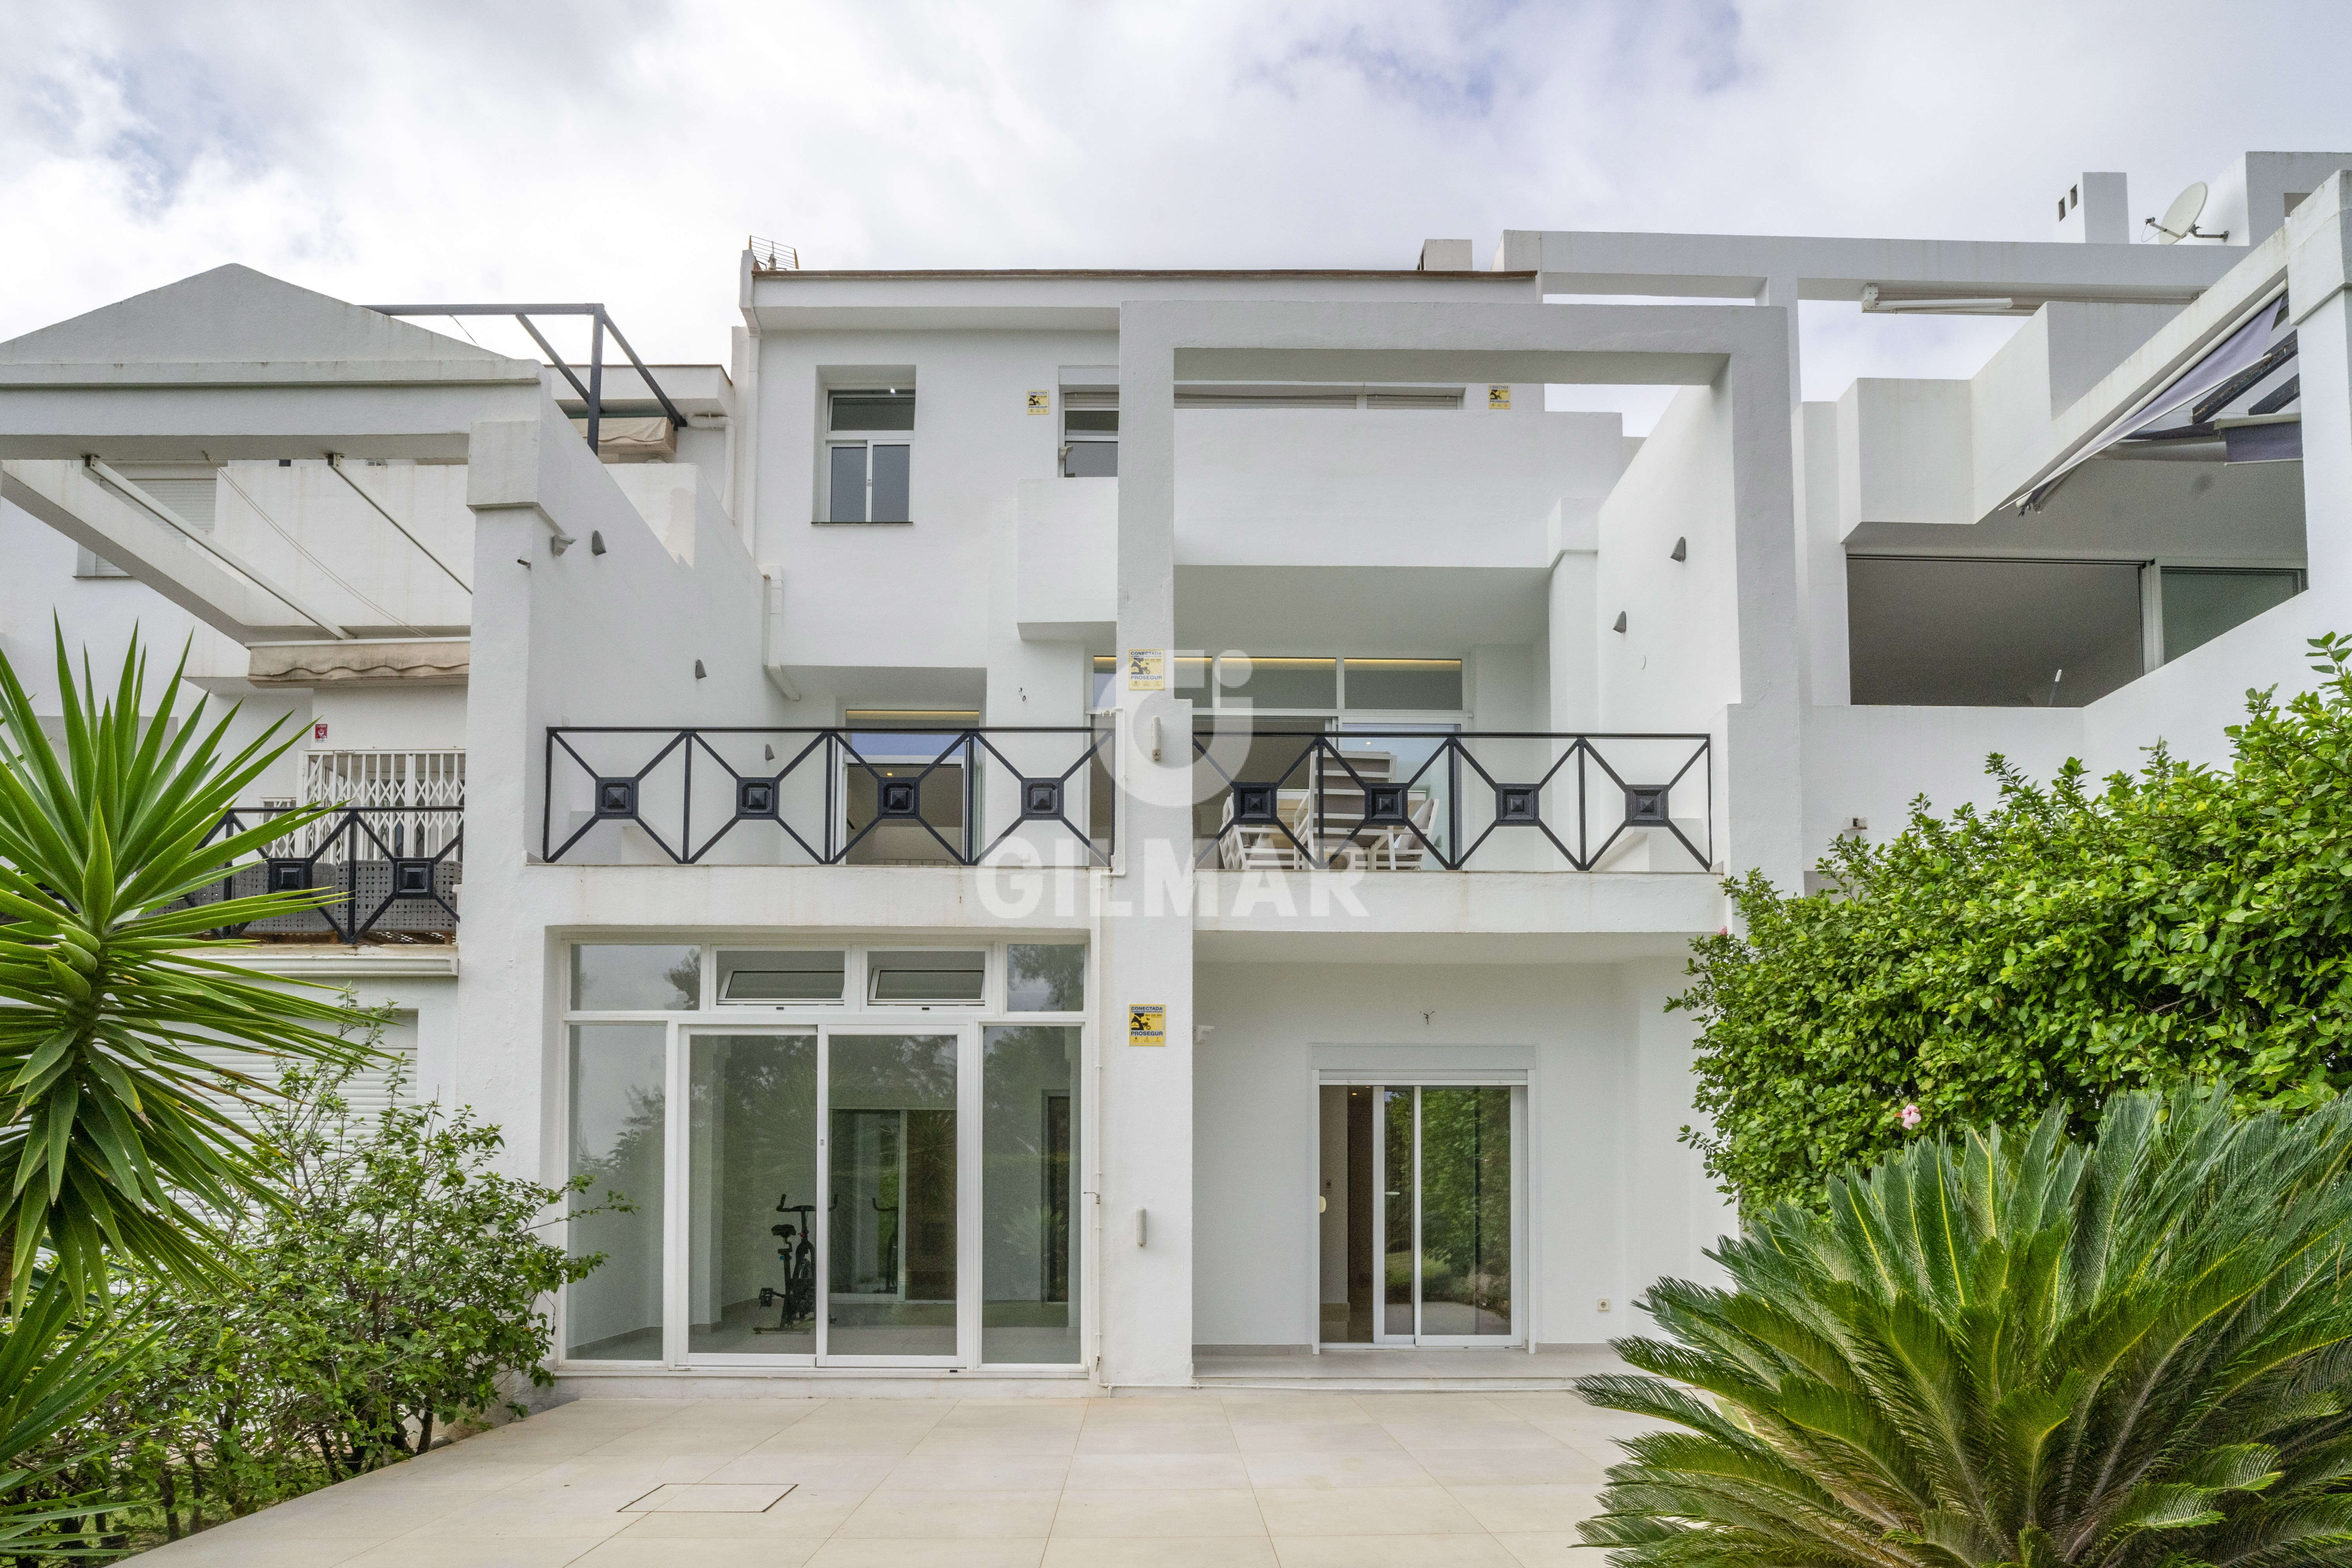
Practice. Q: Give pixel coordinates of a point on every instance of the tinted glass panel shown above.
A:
(1396, 1211)
(891, 1205)
(1091, 419)
(1040, 978)
(1465, 1211)
(890, 485)
(848, 482)
(926, 977)
(1279, 682)
(617, 1072)
(1403, 684)
(2200, 605)
(1029, 1141)
(751, 1200)
(1992, 634)
(1091, 460)
(780, 976)
(873, 411)
(635, 979)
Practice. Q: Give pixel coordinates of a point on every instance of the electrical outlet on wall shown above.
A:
(1602, 1305)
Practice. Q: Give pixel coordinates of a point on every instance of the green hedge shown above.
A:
(2070, 942)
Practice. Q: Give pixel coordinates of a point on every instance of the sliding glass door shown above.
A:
(1445, 1216)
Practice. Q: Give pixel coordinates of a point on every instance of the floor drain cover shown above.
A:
(707, 1497)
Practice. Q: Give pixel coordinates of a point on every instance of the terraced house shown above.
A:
(1138, 827)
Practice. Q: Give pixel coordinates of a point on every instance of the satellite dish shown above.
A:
(2180, 220)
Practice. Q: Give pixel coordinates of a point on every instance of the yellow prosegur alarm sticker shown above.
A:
(1041, 403)
(1498, 398)
(1147, 669)
(1147, 1023)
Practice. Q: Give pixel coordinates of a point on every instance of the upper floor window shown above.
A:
(869, 448)
(1089, 434)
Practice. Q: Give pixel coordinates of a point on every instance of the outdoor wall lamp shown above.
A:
(1621, 622)
(1682, 550)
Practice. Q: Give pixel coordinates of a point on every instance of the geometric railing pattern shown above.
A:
(828, 796)
(1426, 797)
(397, 867)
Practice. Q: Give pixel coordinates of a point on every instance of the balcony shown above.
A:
(1405, 798)
(828, 796)
(398, 869)
(394, 849)
(1435, 798)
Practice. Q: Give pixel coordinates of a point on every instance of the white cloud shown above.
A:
(598, 150)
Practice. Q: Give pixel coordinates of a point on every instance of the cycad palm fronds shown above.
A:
(2015, 1350)
(109, 1140)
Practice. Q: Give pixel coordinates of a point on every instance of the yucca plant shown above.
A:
(2008, 1348)
(114, 1135)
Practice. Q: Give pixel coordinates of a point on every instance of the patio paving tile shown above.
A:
(1221, 1479)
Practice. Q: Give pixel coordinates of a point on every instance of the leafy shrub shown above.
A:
(2015, 1350)
(396, 1292)
(2067, 942)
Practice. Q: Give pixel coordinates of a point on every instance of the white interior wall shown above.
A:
(1609, 1091)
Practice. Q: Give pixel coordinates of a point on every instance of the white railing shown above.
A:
(379, 782)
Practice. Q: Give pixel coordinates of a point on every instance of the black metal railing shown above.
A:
(1426, 798)
(398, 869)
(831, 797)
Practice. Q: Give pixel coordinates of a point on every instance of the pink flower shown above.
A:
(1910, 1116)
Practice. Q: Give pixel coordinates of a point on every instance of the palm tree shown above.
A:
(2015, 1350)
(114, 1137)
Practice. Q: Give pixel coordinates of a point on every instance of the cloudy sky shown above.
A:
(621, 150)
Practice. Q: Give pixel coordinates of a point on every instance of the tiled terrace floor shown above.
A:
(1221, 1479)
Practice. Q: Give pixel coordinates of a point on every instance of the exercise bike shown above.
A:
(797, 1299)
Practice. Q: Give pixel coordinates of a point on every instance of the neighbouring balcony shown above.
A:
(1432, 798)
(398, 868)
(394, 849)
(829, 797)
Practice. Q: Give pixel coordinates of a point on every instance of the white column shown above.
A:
(1146, 1119)
(2319, 268)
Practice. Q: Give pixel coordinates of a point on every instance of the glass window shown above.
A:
(635, 979)
(1947, 632)
(1277, 682)
(1029, 1153)
(848, 484)
(1465, 1211)
(1400, 685)
(616, 1138)
(890, 498)
(1105, 670)
(1044, 978)
(891, 1205)
(776, 977)
(751, 1201)
(925, 977)
(874, 410)
(2202, 602)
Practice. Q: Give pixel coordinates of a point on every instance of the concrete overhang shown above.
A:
(1643, 912)
(232, 365)
(701, 391)
(1736, 267)
(1273, 341)
(1072, 300)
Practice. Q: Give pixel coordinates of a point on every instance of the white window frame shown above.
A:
(969, 1022)
(863, 440)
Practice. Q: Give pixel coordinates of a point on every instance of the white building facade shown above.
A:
(1040, 827)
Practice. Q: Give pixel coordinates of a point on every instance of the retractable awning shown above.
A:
(2238, 403)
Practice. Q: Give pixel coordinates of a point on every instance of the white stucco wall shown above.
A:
(1616, 1201)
